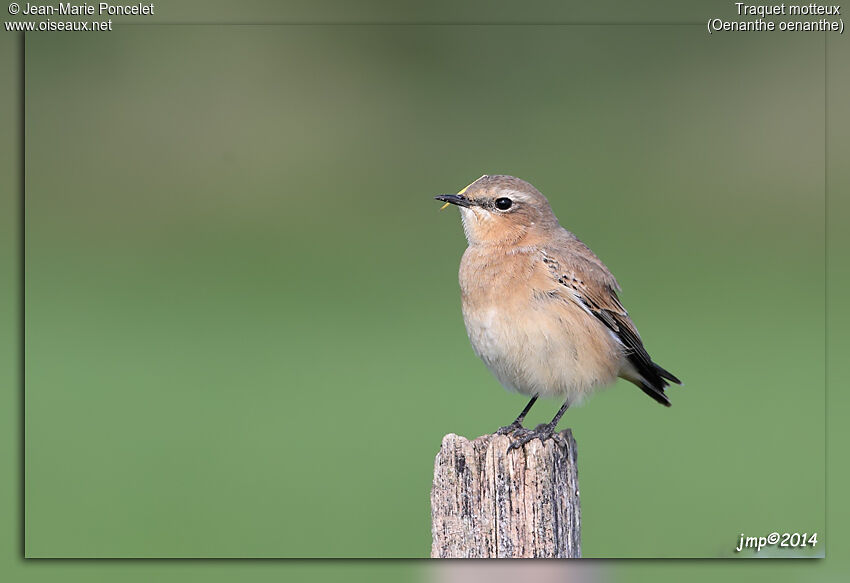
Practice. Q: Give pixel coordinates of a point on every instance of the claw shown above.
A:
(509, 429)
(541, 432)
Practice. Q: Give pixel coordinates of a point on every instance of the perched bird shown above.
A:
(541, 310)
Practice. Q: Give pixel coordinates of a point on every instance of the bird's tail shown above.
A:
(666, 374)
(653, 380)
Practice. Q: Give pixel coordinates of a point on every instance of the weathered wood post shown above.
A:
(488, 502)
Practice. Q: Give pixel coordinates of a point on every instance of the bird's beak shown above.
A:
(456, 199)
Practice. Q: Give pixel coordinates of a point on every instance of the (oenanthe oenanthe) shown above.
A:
(540, 308)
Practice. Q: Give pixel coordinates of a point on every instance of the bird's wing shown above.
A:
(586, 281)
(579, 276)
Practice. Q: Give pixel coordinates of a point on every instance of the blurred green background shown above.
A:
(243, 326)
(755, 51)
(735, 118)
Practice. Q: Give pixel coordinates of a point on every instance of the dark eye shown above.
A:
(504, 204)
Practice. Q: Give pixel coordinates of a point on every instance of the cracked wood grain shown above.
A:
(487, 502)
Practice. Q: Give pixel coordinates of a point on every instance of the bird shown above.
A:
(540, 308)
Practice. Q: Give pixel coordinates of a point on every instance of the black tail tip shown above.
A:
(666, 374)
(657, 393)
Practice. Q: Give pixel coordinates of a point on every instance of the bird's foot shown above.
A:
(542, 432)
(510, 429)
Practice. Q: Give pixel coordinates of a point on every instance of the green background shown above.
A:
(243, 330)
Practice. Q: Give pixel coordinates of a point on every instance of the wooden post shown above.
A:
(488, 502)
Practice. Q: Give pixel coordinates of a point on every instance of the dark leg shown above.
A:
(543, 431)
(517, 424)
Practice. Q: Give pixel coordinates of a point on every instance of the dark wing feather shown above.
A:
(591, 284)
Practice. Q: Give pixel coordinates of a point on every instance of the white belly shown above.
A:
(565, 354)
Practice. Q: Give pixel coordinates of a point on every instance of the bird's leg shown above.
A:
(543, 431)
(517, 424)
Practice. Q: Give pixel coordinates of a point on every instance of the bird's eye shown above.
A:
(504, 204)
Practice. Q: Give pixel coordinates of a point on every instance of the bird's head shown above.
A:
(501, 210)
